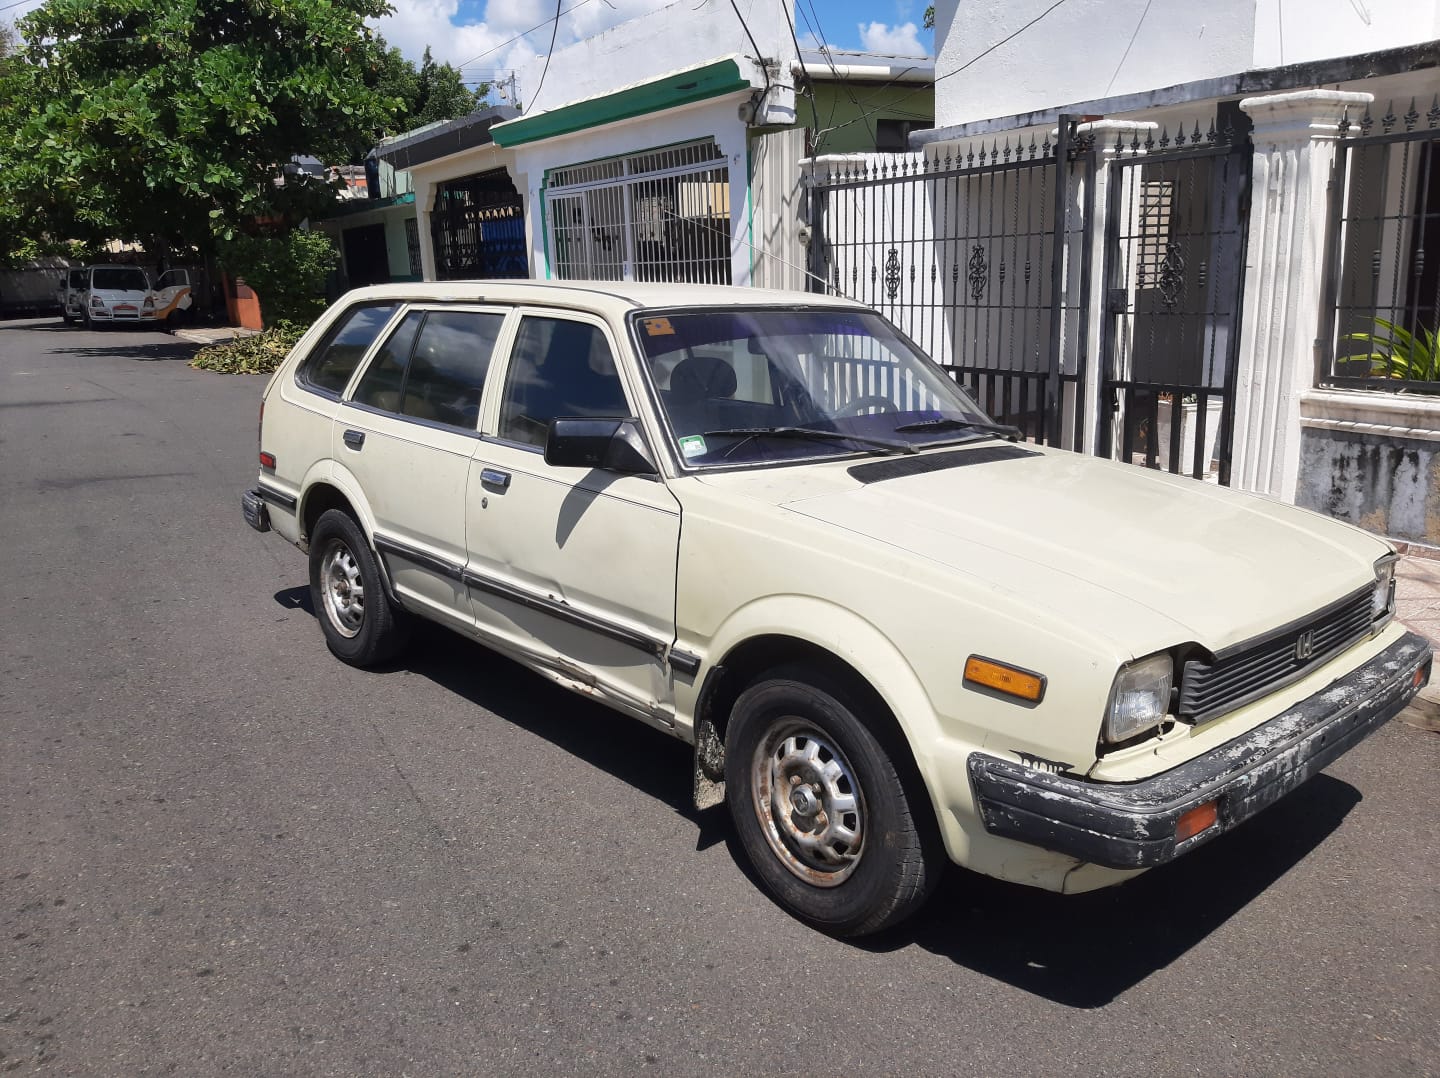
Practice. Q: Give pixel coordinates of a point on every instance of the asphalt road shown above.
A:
(222, 851)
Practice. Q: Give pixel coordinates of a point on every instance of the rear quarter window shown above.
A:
(328, 368)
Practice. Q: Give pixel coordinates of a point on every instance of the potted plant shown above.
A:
(1187, 409)
(1395, 352)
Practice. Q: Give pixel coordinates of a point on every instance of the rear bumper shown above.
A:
(1132, 825)
(257, 513)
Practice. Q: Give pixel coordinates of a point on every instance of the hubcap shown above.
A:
(810, 805)
(342, 589)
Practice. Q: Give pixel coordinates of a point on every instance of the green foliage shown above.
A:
(167, 121)
(257, 353)
(430, 94)
(930, 17)
(287, 271)
(1395, 352)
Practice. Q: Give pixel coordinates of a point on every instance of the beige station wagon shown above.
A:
(766, 524)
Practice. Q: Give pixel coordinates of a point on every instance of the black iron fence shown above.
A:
(1176, 215)
(966, 251)
(1382, 262)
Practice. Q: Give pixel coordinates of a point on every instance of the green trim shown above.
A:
(683, 88)
(545, 223)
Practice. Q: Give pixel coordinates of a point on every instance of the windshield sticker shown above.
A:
(658, 327)
(693, 446)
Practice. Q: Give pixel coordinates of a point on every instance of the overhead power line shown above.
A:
(555, 29)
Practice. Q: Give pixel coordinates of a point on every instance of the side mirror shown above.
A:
(612, 445)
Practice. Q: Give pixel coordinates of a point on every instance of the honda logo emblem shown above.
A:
(1305, 647)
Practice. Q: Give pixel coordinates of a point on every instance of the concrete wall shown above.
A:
(844, 129)
(678, 36)
(1384, 484)
(1090, 49)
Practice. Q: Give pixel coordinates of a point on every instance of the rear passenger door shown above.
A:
(572, 567)
(406, 433)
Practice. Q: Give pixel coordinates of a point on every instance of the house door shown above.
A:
(366, 259)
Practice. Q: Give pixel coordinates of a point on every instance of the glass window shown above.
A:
(336, 357)
(558, 368)
(447, 369)
(384, 380)
(743, 386)
(119, 279)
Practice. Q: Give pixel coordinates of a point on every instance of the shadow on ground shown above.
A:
(149, 352)
(1079, 951)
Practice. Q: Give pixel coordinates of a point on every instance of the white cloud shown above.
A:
(902, 40)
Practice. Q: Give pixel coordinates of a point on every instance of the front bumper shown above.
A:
(1132, 825)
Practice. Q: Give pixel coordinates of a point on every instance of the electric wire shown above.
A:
(759, 56)
(809, 86)
(555, 29)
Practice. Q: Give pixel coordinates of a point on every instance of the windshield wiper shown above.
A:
(749, 434)
(1000, 430)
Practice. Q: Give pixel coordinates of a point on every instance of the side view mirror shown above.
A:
(612, 445)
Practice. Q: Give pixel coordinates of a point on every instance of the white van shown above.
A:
(103, 295)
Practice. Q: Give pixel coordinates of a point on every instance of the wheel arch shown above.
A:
(843, 650)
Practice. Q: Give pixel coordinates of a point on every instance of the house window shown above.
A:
(1385, 276)
(412, 244)
(893, 136)
(661, 215)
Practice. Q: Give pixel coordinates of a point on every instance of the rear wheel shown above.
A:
(831, 826)
(362, 627)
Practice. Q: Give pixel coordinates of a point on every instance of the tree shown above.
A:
(432, 93)
(930, 17)
(170, 121)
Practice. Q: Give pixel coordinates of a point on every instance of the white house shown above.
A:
(1177, 234)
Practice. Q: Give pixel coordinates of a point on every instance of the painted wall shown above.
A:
(675, 37)
(846, 120)
(393, 218)
(1090, 49)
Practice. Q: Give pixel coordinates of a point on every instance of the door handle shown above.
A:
(355, 438)
(494, 477)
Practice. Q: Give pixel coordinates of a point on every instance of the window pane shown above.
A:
(383, 381)
(559, 368)
(337, 356)
(447, 372)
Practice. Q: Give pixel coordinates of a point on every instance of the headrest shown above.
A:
(700, 377)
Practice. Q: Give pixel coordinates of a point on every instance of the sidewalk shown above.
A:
(212, 334)
(1417, 604)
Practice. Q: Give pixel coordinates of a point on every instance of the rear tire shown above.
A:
(361, 625)
(834, 830)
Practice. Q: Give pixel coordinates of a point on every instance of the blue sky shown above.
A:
(483, 37)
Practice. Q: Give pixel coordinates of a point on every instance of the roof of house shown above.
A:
(433, 141)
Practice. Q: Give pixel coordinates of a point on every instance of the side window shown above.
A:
(384, 380)
(447, 370)
(335, 358)
(558, 368)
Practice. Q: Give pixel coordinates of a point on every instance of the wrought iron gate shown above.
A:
(478, 228)
(1174, 276)
(982, 257)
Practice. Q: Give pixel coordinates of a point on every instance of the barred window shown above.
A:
(659, 215)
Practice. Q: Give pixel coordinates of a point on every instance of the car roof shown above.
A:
(601, 297)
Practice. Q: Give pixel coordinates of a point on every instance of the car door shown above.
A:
(571, 567)
(406, 433)
(172, 293)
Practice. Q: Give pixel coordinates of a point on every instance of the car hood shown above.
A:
(1119, 550)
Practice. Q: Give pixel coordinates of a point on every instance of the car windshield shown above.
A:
(119, 279)
(741, 386)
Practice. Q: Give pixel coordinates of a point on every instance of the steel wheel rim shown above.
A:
(342, 590)
(809, 803)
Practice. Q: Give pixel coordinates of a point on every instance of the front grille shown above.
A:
(1250, 670)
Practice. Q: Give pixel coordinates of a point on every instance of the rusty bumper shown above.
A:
(1133, 825)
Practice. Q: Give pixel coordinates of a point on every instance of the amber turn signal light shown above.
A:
(1193, 821)
(1010, 680)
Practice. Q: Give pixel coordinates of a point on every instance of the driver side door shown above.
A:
(573, 568)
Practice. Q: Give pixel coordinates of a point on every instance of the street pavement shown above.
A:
(223, 852)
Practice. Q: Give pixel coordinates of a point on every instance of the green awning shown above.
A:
(667, 92)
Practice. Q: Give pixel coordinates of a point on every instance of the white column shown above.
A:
(424, 203)
(1295, 135)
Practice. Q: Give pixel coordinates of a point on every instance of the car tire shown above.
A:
(66, 318)
(851, 848)
(362, 626)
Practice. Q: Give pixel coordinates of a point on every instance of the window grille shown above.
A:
(659, 215)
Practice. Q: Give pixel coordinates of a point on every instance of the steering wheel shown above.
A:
(861, 405)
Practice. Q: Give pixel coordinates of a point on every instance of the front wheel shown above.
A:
(361, 625)
(823, 813)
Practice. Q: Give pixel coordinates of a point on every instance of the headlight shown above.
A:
(1382, 603)
(1139, 700)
